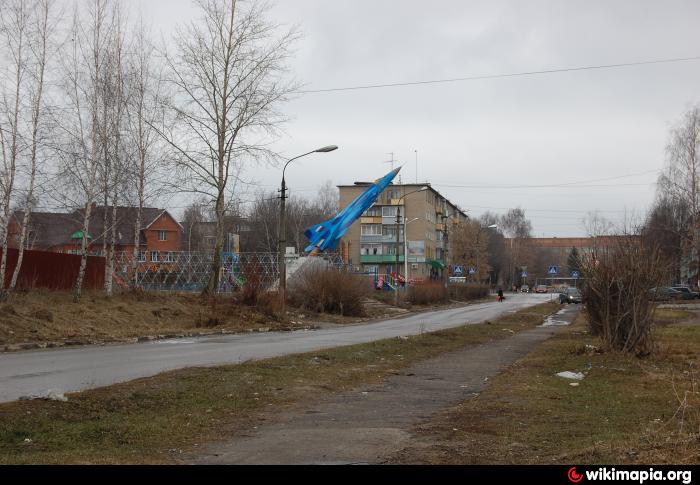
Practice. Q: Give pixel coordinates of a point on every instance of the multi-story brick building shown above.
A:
(160, 234)
(371, 243)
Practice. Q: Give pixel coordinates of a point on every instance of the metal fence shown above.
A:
(190, 271)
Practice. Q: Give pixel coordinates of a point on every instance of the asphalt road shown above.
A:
(33, 373)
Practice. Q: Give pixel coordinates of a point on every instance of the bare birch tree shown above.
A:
(82, 151)
(14, 26)
(42, 29)
(229, 77)
(144, 112)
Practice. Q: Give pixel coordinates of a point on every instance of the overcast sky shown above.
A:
(524, 131)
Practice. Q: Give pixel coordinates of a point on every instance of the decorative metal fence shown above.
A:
(190, 271)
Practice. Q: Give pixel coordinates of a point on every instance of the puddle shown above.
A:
(553, 321)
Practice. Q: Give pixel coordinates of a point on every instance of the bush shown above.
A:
(616, 292)
(427, 293)
(328, 290)
(466, 292)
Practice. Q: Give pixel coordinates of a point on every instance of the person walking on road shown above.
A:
(500, 295)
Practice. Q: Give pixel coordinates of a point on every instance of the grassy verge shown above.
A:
(626, 410)
(153, 420)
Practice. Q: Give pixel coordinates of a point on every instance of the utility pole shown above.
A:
(398, 225)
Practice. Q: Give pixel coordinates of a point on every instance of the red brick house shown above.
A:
(159, 236)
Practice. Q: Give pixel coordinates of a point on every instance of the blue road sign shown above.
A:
(523, 274)
(472, 270)
(552, 270)
(458, 270)
(575, 274)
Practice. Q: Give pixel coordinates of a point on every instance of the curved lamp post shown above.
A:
(282, 263)
(398, 233)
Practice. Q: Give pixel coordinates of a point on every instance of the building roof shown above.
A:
(55, 228)
(424, 184)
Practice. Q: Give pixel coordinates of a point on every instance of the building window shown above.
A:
(162, 235)
(142, 256)
(169, 257)
(391, 231)
(389, 211)
(371, 249)
(154, 256)
(371, 229)
(389, 249)
(374, 211)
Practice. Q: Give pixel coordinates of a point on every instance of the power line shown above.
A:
(581, 183)
(503, 75)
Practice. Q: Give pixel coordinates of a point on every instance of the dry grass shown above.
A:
(626, 411)
(51, 316)
(154, 420)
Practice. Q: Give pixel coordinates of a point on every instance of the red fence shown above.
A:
(56, 271)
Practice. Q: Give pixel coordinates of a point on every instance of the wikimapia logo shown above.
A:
(574, 477)
(640, 476)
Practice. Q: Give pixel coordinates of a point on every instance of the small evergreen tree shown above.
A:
(574, 261)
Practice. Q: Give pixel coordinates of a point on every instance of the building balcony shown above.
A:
(440, 227)
(439, 210)
(371, 220)
(371, 238)
(379, 258)
(380, 239)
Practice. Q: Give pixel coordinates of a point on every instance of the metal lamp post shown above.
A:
(282, 263)
(398, 234)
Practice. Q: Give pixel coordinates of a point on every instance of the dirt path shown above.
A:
(368, 424)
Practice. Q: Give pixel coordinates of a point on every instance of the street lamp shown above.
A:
(282, 263)
(398, 233)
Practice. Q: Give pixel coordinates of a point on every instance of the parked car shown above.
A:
(688, 294)
(541, 289)
(570, 295)
(665, 293)
(525, 288)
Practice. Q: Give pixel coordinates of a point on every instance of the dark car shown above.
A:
(570, 295)
(664, 293)
(688, 294)
(525, 288)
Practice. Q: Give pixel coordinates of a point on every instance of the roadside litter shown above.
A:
(577, 376)
(50, 395)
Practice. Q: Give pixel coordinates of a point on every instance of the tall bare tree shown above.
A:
(144, 111)
(82, 151)
(229, 73)
(680, 182)
(469, 246)
(40, 41)
(14, 27)
(518, 228)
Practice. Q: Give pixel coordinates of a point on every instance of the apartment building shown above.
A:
(372, 243)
